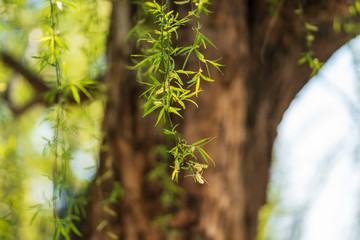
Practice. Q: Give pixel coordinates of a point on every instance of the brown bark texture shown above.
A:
(242, 109)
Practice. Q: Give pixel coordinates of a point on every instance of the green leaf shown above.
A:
(197, 87)
(215, 64)
(203, 42)
(177, 77)
(176, 89)
(174, 110)
(75, 230)
(206, 78)
(75, 94)
(160, 116)
(146, 83)
(150, 4)
(169, 13)
(139, 64)
(181, 2)
(168, 132)
(151, 90)
(187, 58)
(154, 79)
(112, 235)
(337, 24)
(151, 110)
(185, 72)
(64, 232)
(208, 40)
(195, 78)
(174, 176)
(69, 3)
(43, 39)
(181, 103)
(57, 233)
(200, 55)
(302, 60)
(84, 90)
(203, 142)
(184, 50)
(35, 215)
(178, 100)
(357, 6)
(311, 27)
(61, 43)
(192, 102)
(204, 155)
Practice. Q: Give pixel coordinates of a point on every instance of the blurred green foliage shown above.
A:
(25, 182)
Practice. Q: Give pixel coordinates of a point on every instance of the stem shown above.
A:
(168, 70)
(194, 27)
(57, 128)
(167, 63)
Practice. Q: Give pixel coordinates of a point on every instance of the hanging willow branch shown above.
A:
(169, 87)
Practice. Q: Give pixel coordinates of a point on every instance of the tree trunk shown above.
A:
(242, 109)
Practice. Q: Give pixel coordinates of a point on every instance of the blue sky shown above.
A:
(317, 162)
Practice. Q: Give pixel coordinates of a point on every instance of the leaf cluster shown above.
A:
(169, 87)
(185, 158)
(51, 51)
(308, 56)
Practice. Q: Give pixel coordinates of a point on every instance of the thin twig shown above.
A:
(60, 102)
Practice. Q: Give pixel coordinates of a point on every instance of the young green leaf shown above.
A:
(75, 230)
(151, 109)
(75, 94)
(181, 2)
(203, 142)
(197, 87)
(174, 110)
(81, 87)
(160, 116)
(206, 78)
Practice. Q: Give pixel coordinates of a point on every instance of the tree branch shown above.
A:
(321, 10)
(325, 10)
(20, 110)
(35, 81)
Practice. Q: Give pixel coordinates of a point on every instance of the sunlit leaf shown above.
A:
(181, 2)
(75, 94)
(160, 116)
(203, 142)
(197, 87)
(174, 110)
(151, 110)
(75, 230)
(43, 39)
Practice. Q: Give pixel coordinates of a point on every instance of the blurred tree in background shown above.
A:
(67, 93)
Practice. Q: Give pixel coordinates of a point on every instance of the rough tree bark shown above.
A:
(242, 108)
